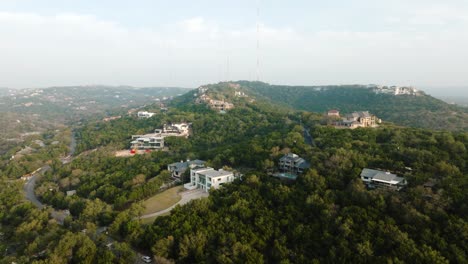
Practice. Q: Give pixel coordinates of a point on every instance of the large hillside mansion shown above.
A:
(155, 141)
(382, 179)
(207, 178)
(355, 119)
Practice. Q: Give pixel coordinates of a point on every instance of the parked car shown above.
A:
(146, 259)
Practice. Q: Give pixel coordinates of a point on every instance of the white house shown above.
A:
(145, 114)
(206, 178)
(149, 141)
(382, 179)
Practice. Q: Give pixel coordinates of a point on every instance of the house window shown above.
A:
(219, 179)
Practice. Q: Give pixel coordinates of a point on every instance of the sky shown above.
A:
(422, 43)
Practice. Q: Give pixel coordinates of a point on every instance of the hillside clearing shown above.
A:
(162, 200)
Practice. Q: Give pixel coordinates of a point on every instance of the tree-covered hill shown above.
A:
(409, 110)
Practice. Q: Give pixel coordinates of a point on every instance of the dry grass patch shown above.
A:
(162, 200)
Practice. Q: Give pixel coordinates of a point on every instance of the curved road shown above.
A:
(31, 183)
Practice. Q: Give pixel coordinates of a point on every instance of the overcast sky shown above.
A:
(189, 43)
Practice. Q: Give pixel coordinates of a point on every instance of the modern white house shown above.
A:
(382, 179)
(149, 141)
(207, 178)
(156, 140)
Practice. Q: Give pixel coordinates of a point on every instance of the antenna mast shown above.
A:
(258, 40)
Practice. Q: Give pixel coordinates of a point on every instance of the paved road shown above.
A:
(29, 192)
(187, 196)
(308, 138)
(30, 185)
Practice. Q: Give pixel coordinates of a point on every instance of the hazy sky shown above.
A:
(188, 43)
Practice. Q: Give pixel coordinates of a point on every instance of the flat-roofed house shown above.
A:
(207, 178)
(149, 141)
(382, 179)
(145, 114)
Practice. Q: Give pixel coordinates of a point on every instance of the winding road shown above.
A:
(30, 185)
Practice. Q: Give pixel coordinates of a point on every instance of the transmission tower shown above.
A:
(258, 40)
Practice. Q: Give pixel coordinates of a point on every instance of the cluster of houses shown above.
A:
(354, 120)
(396, 90)
(155, 141)
(218, 105)
(290, 166)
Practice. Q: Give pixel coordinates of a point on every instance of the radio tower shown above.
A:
(258, 40)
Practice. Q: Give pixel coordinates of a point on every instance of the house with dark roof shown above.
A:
(293, 163)
(382, 179)
(178, 169)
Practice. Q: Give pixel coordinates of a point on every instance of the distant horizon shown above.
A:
(436, 91)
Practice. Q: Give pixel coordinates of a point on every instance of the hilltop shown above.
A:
(401, 105)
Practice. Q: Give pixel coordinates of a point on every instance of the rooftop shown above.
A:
(210, 172)
(381, 176)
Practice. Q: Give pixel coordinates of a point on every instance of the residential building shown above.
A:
(179, 168)
(220, 105)
(293, 163)
(178, 128)
(359, 119)
(207, 178)
(382, 179)
(145, 114)
(156, 140)
(333, 113)
(149, 141)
